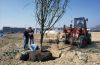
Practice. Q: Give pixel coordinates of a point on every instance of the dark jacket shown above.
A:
(31, 34)
(26, 34)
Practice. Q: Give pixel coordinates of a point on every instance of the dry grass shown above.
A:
(95, 36)
(15, 38)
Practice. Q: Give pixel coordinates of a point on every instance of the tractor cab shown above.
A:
(80, 26)
(80, 22)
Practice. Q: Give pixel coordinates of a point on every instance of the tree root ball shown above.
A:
(24, 56)
(37, 56)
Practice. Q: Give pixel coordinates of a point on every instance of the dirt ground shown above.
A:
(12, 45)
(95, 36)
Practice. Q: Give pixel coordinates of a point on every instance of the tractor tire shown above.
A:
(89, 38)
(82, 41)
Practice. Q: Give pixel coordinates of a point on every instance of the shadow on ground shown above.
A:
(45, 47)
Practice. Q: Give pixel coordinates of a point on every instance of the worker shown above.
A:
(26, 38)
(31, 35)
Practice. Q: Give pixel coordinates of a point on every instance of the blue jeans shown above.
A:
(31, 41)
(26, 43)
(34, 47)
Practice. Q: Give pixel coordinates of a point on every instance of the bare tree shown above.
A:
(48, 12)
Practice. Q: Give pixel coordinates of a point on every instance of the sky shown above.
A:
(21, 13)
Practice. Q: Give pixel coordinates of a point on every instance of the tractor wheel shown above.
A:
(82, 41)
(89, 38)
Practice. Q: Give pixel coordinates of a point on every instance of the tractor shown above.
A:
(78, 34)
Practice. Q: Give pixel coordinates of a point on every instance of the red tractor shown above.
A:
(78, 34)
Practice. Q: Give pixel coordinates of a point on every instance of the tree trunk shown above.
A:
(41, 40)
(42, 27)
